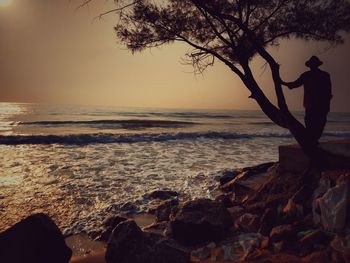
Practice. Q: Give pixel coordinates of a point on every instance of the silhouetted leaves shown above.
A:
(229, 29)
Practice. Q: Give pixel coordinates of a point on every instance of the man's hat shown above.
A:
(313, 62)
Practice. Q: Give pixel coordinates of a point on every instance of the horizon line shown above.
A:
(148, 107)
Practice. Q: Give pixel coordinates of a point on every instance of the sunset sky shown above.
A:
(52, 53)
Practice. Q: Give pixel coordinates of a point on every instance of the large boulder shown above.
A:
(129, 244)
(199, 221)
(36, 239)
(330, 204)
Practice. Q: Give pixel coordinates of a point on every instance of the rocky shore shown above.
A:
(273, 212)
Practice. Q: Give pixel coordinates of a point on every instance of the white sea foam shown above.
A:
(79, 176)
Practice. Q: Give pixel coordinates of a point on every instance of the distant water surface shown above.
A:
(81, 163)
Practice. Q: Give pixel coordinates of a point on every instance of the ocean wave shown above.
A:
(197, 115)
(101, 138)
(117, 123)
(190, 115)
(263, 123)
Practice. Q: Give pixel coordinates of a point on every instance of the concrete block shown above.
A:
(293, 159)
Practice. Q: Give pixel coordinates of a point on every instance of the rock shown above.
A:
(128, 207)
(341, 246)
(200, 220)
(313, 238)
(129, 244)
(125, 243)
(281, 233)
(333, 206)
(308, 221)
(278, 246)
(264, 243)
(203, 252)
(276, 200)
(247, 223)
(261, 168)
(324, 185)
(292, 211)
(228, 176)
(268, 221)
(164, 209)
(36, 239)
(239, 248)
(108, 225)
(113, 221)
(259, 255)
(227, 199)
(249, 242)
(250, 179)
(157, 228)
(235, 212)
(234, 186)
(265, 256)
(162, 194)
(282, 258)
(318, 256)
(166, 251)
(273, 193)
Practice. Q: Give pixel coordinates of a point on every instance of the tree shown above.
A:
(233, 32)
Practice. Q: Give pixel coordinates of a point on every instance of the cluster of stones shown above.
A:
(262, 214)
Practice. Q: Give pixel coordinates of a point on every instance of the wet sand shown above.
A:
(93, 258)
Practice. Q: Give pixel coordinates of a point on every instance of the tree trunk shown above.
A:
(285, 119)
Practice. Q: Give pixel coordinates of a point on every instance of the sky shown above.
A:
(52, 53)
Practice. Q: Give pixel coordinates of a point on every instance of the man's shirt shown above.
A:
(317, 88)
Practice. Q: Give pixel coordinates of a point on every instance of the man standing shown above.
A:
(317, 97)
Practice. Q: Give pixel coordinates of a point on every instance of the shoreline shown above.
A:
(260, 213)
(254, 182)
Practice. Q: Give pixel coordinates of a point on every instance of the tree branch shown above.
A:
(120, 9)
(84, 3)
(279, 6)
(211, 24)
(217, 55)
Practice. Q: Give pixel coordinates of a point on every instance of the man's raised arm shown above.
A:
(294, 84)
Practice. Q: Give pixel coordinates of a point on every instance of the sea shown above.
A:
(80, 164)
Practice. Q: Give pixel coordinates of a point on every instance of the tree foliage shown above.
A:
(229, 30)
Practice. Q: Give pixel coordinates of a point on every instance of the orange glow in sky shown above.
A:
(52, 53)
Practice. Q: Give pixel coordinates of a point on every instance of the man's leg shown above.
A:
(315, 121)
(320, 124)
(310, 126)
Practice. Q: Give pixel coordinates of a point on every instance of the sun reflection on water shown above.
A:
(8, 112)
(7, 109)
